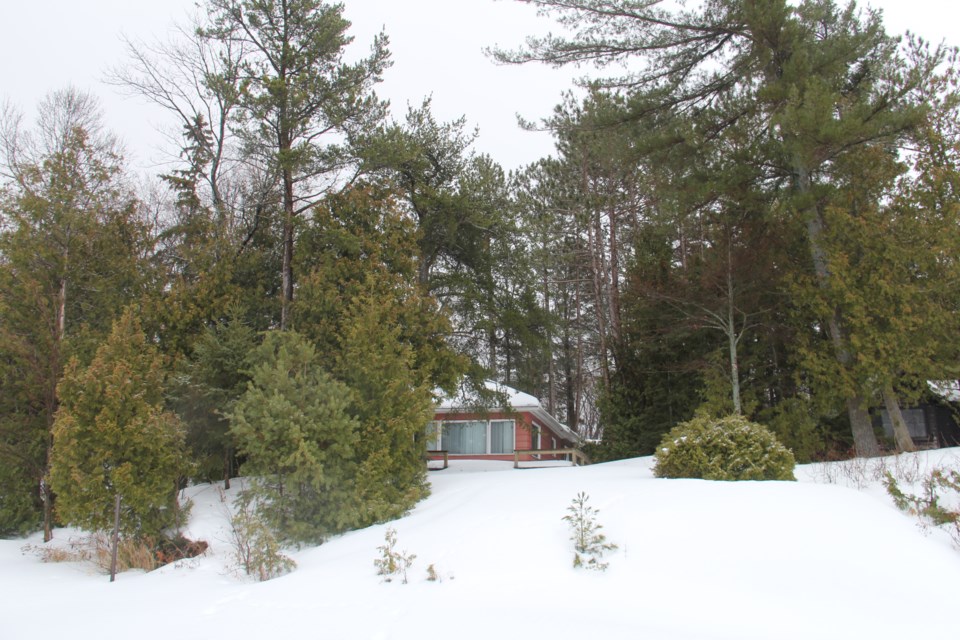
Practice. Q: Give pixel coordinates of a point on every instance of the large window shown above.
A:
(501, 436)
(478, 436)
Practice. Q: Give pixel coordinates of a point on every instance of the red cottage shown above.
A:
(500, 433)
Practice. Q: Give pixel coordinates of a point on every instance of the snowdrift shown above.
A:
(696, 560)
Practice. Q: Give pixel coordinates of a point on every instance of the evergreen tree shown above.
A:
(469, 258)
(294, 87)
(391, 398)
(299, 441)
(113, 438)
(215, 377)
(381, 335)
(72, 252)
(813, 84)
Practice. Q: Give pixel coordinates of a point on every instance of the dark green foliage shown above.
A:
(19, 512)
(730, 448)
(300, 443)
(653, 389)
(361, 246)
(835, 98)
(112, 437)
(382, 336)
(214, 379)
(392, 400)
(297, 91)
(659, 381)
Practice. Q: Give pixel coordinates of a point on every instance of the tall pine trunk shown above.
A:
(287, 276)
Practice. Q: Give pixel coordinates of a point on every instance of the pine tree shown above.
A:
(294, 88)
(113, 438)
(299, 442)
(813, 85)
(589, 544)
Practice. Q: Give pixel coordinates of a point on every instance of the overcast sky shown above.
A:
(437, 48)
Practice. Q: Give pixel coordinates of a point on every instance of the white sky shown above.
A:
(436, 44)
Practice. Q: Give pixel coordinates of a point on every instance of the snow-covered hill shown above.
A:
(813, 560)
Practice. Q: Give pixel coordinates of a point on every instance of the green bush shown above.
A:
(730, 448)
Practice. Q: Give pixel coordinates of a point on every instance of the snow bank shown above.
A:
(696, 560)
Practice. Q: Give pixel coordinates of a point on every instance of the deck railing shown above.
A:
(577, 457)
(441, 452)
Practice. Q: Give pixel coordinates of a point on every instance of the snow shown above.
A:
(516, 399)
(827, 557)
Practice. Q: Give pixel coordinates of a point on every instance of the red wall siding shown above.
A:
(523, 435)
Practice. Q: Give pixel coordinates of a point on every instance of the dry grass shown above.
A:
(76, 551)
(131, 553)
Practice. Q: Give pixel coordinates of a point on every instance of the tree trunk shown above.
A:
(62, 311)
(732, 340)
(227, 467)
(864, 439)
(597, 264)
(567, 351)
(115, 539)
(287, 276)
(900, 432)
(614, 297)
(551, 361)
(47, 497)
(734, 369)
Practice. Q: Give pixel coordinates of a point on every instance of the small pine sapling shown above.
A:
(588, 543)
(392, 562)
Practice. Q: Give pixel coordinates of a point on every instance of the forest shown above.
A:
(752, 211)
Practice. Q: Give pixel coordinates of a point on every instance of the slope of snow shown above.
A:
(696, 561)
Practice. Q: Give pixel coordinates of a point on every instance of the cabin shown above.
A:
(933, 423)
(518, 432)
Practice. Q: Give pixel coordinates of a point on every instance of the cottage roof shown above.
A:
(518, 401)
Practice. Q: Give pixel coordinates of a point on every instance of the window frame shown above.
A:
(441, 425)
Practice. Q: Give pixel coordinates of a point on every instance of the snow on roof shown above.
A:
(517, 400)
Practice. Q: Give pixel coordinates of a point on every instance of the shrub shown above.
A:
(256, 549)
(730, 448)
(392, 562)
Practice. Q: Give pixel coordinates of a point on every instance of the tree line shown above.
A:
(757, 217)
